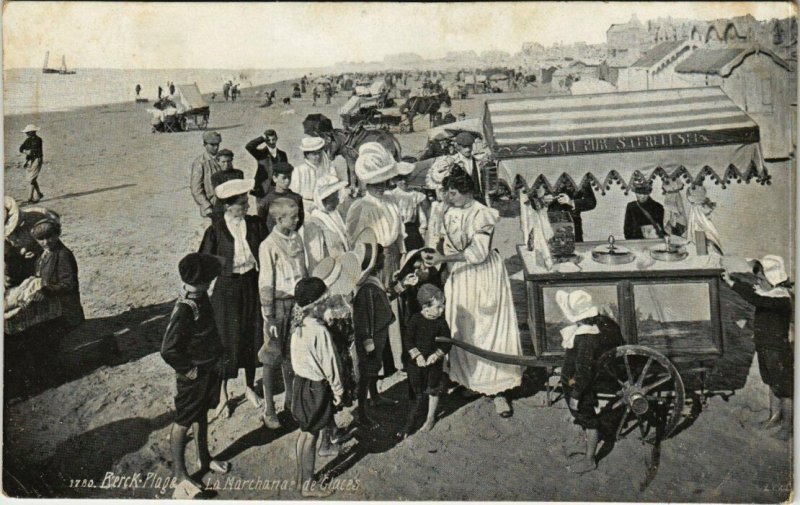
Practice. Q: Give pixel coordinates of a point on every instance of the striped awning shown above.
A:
(614, 138)
(615, 122)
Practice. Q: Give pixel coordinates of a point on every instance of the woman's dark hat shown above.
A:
(309, 290)
(410, 258)
(45, 228)
(198, 268)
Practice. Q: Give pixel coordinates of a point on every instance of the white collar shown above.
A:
(772, 293)
(569, 333)
(334, 221)
(290, 236)
(233, 221)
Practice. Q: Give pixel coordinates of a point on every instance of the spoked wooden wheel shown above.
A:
(648, 391)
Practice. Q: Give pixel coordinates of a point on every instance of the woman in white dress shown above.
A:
(480, 310)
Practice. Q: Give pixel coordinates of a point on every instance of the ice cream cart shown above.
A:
(664, 295)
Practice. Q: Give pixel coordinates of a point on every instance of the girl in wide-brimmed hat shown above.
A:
(372, 317)
(325, 231)
(769, 290)
(588, 335)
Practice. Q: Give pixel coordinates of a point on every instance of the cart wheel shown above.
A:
(203, 123)
(648, 391)
(184, 124)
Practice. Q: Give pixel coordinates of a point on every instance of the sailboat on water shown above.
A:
(61, 71)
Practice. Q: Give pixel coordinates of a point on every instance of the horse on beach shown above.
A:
(424, 105)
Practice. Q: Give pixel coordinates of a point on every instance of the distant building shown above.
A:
(655, 69)
(626, 42)
(758, 81)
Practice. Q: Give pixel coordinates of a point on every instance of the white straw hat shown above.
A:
(234, 187)
(774, 269)
(576, 305)
(30, 128)
(326, 186)
(311, 144)
(375, 164)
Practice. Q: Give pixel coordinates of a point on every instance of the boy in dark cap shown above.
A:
(425, 372)
(281, 178)
(193, 349)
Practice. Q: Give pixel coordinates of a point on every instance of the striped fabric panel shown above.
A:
(550, 119)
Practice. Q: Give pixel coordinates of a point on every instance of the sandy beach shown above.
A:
(128, 216)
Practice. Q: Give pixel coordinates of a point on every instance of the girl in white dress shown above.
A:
(480, 310)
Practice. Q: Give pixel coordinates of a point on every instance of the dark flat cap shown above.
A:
(199, 268)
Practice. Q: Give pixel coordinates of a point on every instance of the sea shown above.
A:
(28, 90)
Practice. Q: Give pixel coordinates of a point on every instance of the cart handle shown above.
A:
(507, 359)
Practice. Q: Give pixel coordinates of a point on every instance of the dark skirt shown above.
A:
(196, 397)
(369, 365)
(312, 404)
(606, 422)
(777, 369)
(426, 381)
(413, 238)
(237, 311)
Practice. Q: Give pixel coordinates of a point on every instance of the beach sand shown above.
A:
(128, 216)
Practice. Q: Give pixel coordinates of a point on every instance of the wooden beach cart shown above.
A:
(666, 299)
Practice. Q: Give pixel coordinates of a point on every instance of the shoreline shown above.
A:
(247, 92)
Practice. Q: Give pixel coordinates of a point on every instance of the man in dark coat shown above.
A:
(463, 143)
(265, 150)
(575, 202)
(644, 217)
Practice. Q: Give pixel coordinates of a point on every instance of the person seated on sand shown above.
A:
(317, 387)
(585, 339)
(425, 370)
(768, 289)
(192, 347)
(58, 271)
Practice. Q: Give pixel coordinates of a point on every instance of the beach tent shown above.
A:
(613, 138)
(188, 97)
(377, 87)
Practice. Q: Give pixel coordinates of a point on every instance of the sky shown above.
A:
(295, 35)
